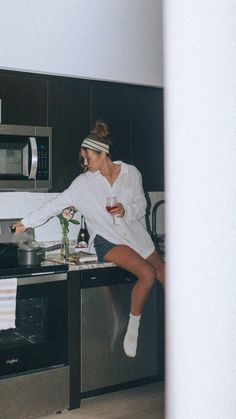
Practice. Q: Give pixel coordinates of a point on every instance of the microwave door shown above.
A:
(14, 158)
(34, 158)
(25, 161)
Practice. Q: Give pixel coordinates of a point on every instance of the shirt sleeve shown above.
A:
(136, 209)
(52, 208)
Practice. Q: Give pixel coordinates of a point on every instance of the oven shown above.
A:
(34, 367)
(39, 340)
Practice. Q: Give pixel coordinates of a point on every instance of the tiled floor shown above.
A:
(145, 402)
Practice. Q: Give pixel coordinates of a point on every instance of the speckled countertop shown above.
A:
(77, 267)
(57, 259)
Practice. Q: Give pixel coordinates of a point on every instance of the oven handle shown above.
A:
(42, 278)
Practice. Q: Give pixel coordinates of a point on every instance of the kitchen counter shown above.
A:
(55, 258)
(52, 260)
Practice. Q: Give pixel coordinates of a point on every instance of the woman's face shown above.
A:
(92, 160)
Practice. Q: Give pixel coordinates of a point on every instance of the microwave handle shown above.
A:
(34, 158)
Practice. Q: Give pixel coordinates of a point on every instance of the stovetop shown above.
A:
(10, 267)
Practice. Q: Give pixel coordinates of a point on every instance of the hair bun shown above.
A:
(100, 129)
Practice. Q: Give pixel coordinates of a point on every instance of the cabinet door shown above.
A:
(24, 100)
(69, 117)
(147, 136)
(110, 103)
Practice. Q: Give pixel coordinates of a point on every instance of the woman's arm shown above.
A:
(18, 227)
(42, 213)
(136, 209)
(48, 210)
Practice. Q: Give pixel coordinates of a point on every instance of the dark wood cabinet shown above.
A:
(71, 106)
(111, 103)
(69, 117)
(148, 136)
(74, 344)
(135, 115)
(24, 100)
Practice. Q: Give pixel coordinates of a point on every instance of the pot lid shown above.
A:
(29, 246)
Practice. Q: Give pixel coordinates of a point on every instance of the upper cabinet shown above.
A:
(111, 103)
(70, 106)
(24, 99)
(148, 136)
(135, 115)
(69, 117)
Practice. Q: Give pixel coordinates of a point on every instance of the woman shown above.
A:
(125, 242)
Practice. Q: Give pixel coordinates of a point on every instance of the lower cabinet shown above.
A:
(74, 338)
(104, 311)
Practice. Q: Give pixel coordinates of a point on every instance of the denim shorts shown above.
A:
(102, 246)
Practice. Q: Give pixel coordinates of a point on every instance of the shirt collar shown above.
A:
(123, 169)
(124, 166)
(90, 174)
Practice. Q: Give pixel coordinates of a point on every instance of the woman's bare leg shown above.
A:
(157, 263)
(127, 258)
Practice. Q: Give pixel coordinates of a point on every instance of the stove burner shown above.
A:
(9, 263)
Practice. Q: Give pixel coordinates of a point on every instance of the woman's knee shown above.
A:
(160, 272)
(147, 275)
(157, 263)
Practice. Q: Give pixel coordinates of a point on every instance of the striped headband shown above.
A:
(95, 145)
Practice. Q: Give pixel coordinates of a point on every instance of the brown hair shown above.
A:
(101, 132)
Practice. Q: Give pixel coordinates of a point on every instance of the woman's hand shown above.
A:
(18, 228)
(119, 210)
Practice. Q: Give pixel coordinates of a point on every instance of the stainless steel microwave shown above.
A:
(25, 158)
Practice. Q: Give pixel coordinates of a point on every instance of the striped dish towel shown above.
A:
(8, 288)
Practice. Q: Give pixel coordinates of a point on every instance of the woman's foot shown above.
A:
(131, 337)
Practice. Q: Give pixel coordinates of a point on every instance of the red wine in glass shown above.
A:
(111, 203)
(110, 208)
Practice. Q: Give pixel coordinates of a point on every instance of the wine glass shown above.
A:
(111, 203)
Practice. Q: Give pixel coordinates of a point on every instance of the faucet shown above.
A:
(159, 239)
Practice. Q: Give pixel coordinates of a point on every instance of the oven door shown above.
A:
(40, 338)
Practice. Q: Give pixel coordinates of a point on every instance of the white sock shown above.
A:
(131, 337)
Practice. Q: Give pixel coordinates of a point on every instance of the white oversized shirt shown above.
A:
(88, 192)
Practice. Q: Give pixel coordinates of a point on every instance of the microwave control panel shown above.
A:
(43, 158)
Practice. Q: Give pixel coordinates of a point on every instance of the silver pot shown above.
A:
(30, 253)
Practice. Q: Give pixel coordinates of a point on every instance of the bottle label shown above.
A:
(83, 236)
(82, 244)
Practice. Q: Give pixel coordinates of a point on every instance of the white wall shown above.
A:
(200, 155)
(115, 40)
(18, 204)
